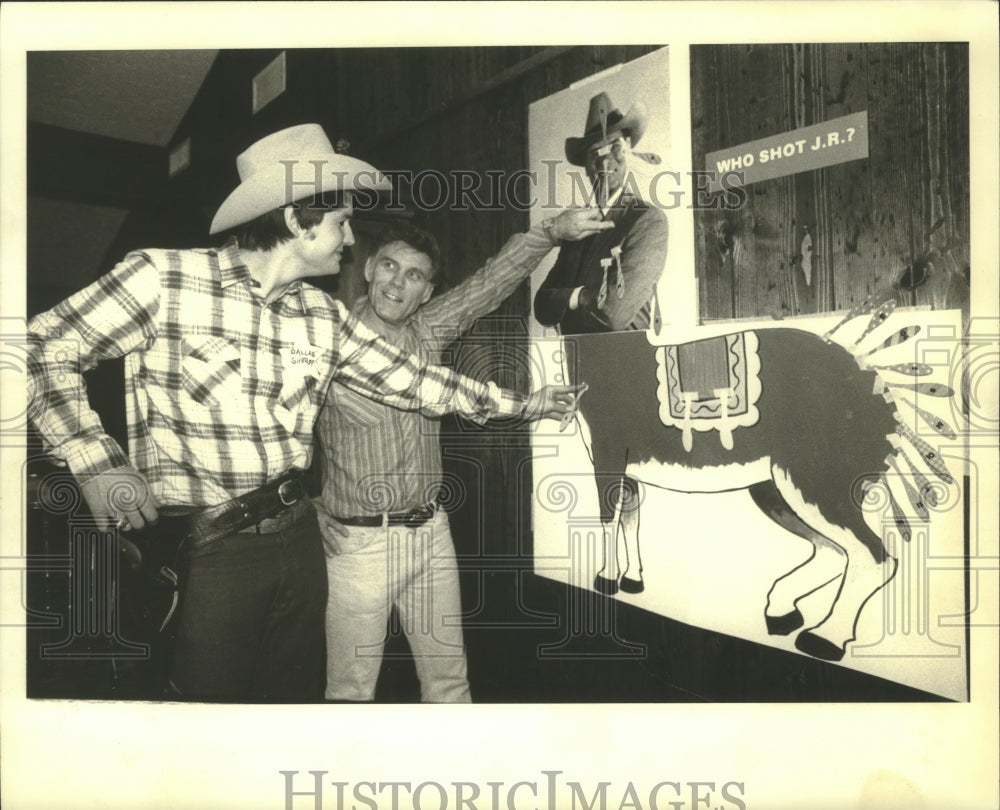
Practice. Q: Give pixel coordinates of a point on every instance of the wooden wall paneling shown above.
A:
(956, 242)
(948, 126)
(954, 62)
(894, 137)
(811, 263)
(944, 263)
(849, 225)
(509, 133)
(702, 71)
(820, 219)
(868, 221)
(461, 138)
(379, 111)
(747, 261)
(721, 77)
(721, 245)
(755, 109)
(796, 76)
(491, 134)
(792, 286)
(466, 74)
(767, 224)
(932, 162)
(925, 202)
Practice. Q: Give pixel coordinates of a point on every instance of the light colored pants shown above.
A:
(415, 570)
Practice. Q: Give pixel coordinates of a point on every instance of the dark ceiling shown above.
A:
(124, 105)
(138, 96)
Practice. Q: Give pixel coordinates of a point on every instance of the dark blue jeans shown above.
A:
(251, 621)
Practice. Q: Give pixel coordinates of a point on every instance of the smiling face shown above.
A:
(322, 245)
(399, 281)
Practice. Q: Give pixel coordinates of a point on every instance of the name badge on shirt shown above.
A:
(302, 360)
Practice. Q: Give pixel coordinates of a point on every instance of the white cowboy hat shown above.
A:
(282, 168)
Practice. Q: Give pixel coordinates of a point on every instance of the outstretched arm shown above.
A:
(376, 368)
(453, 313)
(554, 402)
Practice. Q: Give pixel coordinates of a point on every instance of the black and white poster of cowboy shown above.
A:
(608, 282)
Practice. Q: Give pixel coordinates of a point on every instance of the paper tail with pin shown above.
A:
(920, 493)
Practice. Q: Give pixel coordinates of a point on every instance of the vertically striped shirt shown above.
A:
(381, 459)
(222, 387)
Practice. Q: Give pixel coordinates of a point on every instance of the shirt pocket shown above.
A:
(357, 410)
(295, 404)
(304, 377)
(210, 371)
(297, 393)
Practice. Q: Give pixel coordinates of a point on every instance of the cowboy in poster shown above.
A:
(606, 283)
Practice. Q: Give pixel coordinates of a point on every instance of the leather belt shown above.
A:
(249, 510)
(281, 521)
(412, 519)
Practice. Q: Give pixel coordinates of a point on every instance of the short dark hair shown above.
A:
(269, 230)
(417, 238)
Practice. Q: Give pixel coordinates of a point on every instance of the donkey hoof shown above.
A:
(783, 625)
(811, 644)
(605, 586)
(629, 585)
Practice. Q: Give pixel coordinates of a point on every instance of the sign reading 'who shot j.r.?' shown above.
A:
(814, 147)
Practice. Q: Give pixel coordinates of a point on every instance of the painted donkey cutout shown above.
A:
(793, 417)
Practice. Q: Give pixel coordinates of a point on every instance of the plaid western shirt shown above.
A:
(381, 459)
(222, 387)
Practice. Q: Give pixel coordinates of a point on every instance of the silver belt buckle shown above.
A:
(290, 492)
(419, 516)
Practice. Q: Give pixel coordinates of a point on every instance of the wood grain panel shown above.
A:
(768, 227)
(850, 216)
(824, 240)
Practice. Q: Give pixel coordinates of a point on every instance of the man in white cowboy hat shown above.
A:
(389, 541)
(228, 356)
(607, 283)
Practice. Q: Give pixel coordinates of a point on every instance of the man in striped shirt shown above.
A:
(228, 357)
(388, 541)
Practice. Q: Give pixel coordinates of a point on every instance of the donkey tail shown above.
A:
(920, 492)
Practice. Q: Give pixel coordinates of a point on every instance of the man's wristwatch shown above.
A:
(548, 225)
